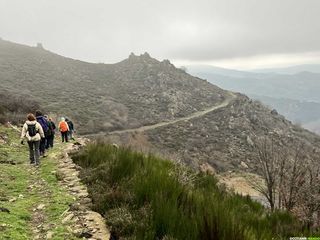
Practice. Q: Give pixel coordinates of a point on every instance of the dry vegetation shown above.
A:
(13, 108)
(292, 179)
(144, 197)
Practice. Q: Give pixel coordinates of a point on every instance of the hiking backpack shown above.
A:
(32, 130)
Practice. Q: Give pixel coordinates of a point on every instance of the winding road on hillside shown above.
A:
(230, 97)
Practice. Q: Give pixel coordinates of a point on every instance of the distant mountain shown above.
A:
(313, 126)
(305, 113)
(195, 69)
(303, 86)
(295, 96)
(195, 121)
(314, 68)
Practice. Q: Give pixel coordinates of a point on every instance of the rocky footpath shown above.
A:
(45, 202)
(84, 222)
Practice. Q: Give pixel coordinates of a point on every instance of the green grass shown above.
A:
(144, 197)
(14, 182)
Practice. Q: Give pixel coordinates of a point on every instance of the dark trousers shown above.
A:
(64, 136)
(34, 152)
(42, 146)
(49, 143)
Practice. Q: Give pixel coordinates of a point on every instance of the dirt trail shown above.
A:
(226, 102)
(39, 222)
(45, 202)
(81, 222)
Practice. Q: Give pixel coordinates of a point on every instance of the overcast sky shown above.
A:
(240, 34)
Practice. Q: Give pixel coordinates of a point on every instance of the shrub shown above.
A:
(143, 197)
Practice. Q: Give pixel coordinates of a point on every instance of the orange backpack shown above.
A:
(63, 127)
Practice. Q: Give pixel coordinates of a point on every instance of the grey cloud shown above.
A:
(107, 31)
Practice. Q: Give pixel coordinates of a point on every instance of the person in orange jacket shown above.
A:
(64, 129)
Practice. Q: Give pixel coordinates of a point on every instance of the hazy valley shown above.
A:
(292, 91)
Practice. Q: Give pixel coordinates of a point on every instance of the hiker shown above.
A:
(33, 131)
(51, 133)
(64, 128)
(71, 128)
(44, 124)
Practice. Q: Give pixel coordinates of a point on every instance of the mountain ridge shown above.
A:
(314, 68)
(142, 91)
(149, 82)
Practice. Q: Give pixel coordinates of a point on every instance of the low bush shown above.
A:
(144, 197)
(14, 108)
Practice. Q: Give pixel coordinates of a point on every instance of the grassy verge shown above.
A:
(23, 188)
(144, 197)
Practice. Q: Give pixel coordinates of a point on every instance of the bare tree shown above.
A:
(282, 172)
(268, 159)
(292, 179)
(309, 196)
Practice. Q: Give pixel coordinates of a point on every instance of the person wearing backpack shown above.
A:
(33, 132)
(44, 124)
(50, 134)
(64, 129)
(71, 128)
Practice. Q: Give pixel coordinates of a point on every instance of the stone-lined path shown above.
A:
(45, 202)
(84, 222)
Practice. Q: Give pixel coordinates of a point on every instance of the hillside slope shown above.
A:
(226, 138)
(141, 91)
(135, 92)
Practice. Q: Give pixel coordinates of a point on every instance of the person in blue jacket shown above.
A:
(44, 124)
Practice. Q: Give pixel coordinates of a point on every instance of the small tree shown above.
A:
(268, 161)
(309, 196)
(283, 174)
(293, 178)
